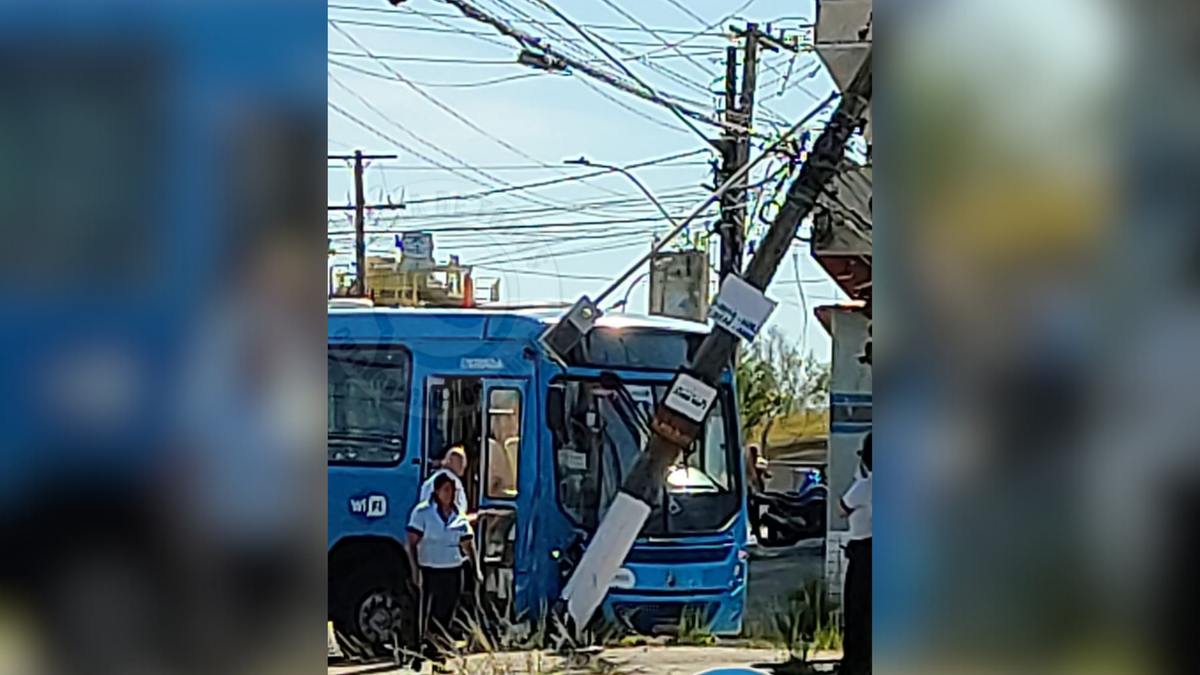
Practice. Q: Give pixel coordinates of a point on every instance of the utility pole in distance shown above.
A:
(360, 208)
(680, 415)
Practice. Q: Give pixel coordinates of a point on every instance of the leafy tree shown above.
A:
(774, 379)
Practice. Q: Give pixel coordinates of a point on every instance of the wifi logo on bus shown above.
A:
(371, 506)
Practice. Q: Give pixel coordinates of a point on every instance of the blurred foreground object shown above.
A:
(1038, 403)
(154, 193)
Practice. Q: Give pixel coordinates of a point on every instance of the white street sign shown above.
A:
(741, 308)
(690, 397)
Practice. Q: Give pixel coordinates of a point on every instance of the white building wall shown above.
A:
(849, 422)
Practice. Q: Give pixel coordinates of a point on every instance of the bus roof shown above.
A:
(450, 323)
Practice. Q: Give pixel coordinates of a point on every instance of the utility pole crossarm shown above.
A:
(671, 431)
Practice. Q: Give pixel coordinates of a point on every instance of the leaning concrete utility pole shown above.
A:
(739, 311)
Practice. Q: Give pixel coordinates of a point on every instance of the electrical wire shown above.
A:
(456, 30)
(449, 110)
(560, 61)
(441, 15)
(552, 181)
(621, 66)
(524, 167)
(683, 8)
(642, 240)
(629, 108)
(715, 195)
(702, 31)
(537, 273)
(464, 166)
(427, 59)
(442, 85)
(656, 34)
(803, 301)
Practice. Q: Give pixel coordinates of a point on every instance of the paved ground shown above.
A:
(621, 661)
(774, 573)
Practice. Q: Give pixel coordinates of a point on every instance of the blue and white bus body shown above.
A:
(689, 564)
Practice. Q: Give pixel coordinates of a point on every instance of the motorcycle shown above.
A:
(790, 517)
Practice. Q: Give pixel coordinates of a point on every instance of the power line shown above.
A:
(703, 31)
(427, 59)
(441, 85)
(442, 106)
(551, 181)
(555, 60)
(642, 241)
(621, 66)
(683, 8)
(465, 167)
(457, 171)
(517, 227)
(629, 108)
(446, 15)
(537, 273)
(522, 167)
(660, 37)
(456, 30)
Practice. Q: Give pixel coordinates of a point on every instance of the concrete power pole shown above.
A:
(679, 417)
(734, 143)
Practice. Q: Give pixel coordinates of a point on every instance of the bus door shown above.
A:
(453, 408)
(507, 436)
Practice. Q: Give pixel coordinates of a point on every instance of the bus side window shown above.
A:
(503, 441)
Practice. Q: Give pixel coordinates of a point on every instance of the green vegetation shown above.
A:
(774, 380)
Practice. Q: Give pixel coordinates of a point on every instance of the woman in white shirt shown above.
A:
(856, 596)
(440, 540)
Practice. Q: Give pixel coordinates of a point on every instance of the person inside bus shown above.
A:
(502, 456)
(756, 475)
(440, 545)
(453, 464)
(856, 506)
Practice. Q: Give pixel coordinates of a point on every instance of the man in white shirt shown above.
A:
(454, 464)
(856, 596)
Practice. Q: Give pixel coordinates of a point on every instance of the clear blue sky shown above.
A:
(529, 122)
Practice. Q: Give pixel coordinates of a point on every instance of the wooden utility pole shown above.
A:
(360, 208)
(675, 426)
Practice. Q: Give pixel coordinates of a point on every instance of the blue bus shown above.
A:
(548, 445)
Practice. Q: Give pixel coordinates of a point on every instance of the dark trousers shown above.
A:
(441, 591)
(856, 606)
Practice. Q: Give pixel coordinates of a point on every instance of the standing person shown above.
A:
(856, 596)
(756, 485)
(454, 464)
(440, 541)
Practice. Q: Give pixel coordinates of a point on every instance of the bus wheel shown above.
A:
(372, 605)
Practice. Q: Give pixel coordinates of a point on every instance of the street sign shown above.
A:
(416, 251)
(690, 397)
(741, 308)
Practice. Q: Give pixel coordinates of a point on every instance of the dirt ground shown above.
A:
(672, 660)
(773, 574)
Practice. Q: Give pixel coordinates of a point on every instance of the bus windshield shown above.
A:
(600, 426)
(368, 404)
